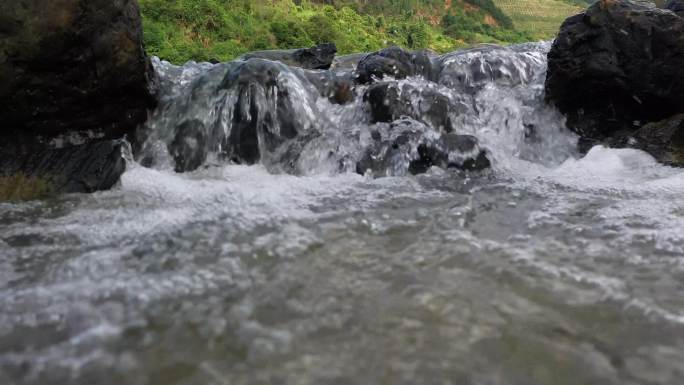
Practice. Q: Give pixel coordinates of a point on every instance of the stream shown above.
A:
(549, 268)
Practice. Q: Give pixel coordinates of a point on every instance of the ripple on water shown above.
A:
(548, 270)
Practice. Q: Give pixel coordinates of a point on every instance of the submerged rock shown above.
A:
(616, 66)
(409, 147)
(394, 62)
(390, 101)
(319, 57)
(664, 140)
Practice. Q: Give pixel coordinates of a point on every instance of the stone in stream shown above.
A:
(616, 67)
(394, 62)
(319, 57)
(410, 147)
(664, 140)
(390, 101)
(71, 68)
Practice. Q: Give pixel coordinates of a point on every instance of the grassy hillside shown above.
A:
(181, 30)
(540, 18)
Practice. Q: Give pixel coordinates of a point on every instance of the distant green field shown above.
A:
(540, 18)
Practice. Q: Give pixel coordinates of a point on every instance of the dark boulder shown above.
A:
(74, 78)
(616, 66)
(409, 147)
(394, 62)
(390, 101)
(73, 65)
(72, 169)
(664, 140)
(676, 6)
(319, 57)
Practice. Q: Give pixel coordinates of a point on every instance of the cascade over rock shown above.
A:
(616, 67)
(469, 71)
(243, 111)
(390, 101)
(408, 146)
(396, 113)
(387, 113)
(72, 73)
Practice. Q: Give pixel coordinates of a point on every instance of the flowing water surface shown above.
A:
(548, 269)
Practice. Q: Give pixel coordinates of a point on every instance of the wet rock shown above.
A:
(319, 57)
(338, 88)
(469, 71)
(347, 62)
(73, 169)
(676, 6)
(412, 148)
(390, 101)
(188, 146)
(616, 66)
(243, 111)
(73, 65)
(394, 62)
(451, 151)
(664, 140)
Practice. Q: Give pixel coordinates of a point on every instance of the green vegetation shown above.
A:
(19, 187)
(540, 18)
(181, 30)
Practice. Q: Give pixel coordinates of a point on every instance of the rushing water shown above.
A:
(548, 269)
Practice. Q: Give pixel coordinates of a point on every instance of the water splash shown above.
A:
(292, 120)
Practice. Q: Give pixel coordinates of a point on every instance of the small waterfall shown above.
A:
(308, 122)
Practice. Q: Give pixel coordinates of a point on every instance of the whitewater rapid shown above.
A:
(549, 268)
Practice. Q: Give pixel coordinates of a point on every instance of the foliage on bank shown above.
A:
(19, 187)
(181, 30)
